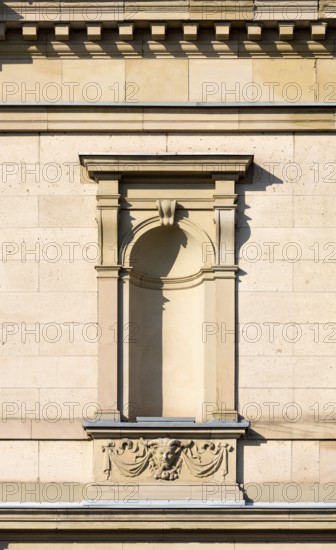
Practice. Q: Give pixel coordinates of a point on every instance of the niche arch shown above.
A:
(157, 259)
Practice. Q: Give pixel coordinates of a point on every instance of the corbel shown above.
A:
(158, 31)
(286, 31)
(190, 31)
(29, 32)
(318, 31)
(94, 31)
(62, 32)
(222, 31)
(253, 31)
(126, 31)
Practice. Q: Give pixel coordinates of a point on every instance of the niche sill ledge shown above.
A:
(165, 427)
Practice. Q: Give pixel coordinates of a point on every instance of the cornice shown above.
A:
(51, 25)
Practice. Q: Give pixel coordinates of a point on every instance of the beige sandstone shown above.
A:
(154, 186)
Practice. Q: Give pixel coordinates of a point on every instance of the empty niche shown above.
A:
(166, 309)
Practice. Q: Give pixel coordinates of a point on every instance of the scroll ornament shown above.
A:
(165, 458)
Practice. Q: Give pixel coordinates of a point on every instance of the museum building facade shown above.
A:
(168, 292)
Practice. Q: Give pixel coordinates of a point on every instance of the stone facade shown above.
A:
(168, 246)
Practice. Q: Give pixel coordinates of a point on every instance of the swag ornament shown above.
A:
(164, 458)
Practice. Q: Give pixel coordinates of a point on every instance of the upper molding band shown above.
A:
(170, 117)
(51, 12)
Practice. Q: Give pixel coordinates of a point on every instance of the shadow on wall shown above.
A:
(257, 179)
(241, 445)
(8, 14)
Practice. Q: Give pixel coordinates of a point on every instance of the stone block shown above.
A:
(158, 79)
(262, 460)
(266, 211)
(19, 461)
(68, 276)
(60, 211)
(217, 80)
(104, 80)
(27, 206)
(266, 372)
(38, 81)
(305, 461)
(284, 80)
(67, 461)
(327, 461)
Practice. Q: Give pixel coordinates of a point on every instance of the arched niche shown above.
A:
(165, 301)
(194, 197)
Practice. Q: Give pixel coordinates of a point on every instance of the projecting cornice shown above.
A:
(162, 21)
(135, 165)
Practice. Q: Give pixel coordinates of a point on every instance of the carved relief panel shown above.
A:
(167, 459)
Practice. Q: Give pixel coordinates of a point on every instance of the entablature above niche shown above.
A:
(130, 167)
(158, 178)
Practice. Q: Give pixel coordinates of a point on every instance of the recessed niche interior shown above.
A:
(165, 352)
